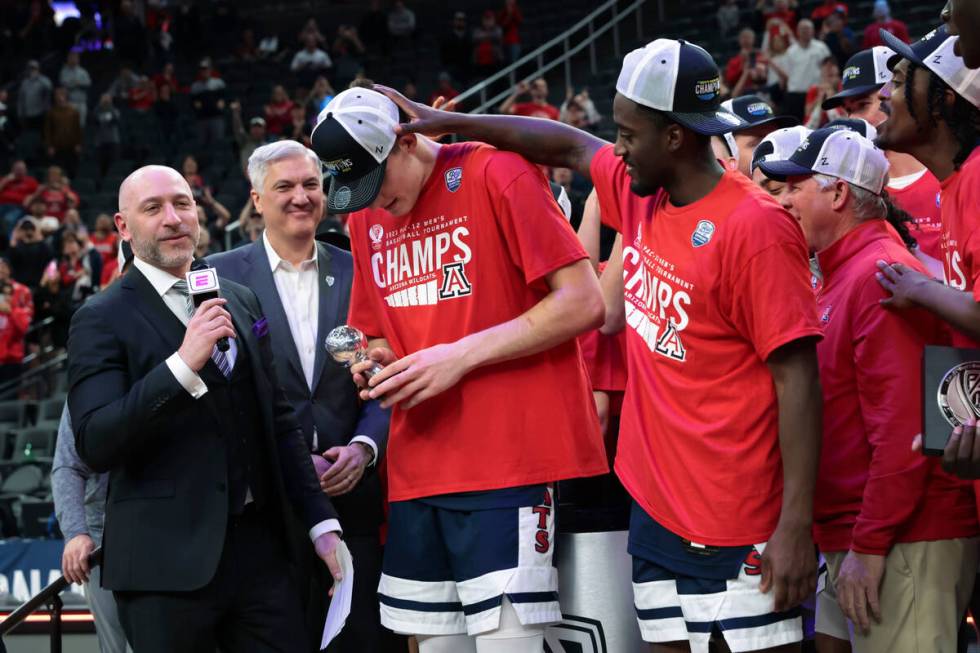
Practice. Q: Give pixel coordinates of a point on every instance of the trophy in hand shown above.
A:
(348, 346)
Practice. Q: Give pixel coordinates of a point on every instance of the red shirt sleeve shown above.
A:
(888, 351)
(970, 249)
(733, 70)
(609, 177)
(361, 314)
(537, 236)
(769, 297)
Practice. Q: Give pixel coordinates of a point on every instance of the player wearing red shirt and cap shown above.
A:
(898, 534)
(935, 117)
(910, 185)
(472, 287)
(721, 422)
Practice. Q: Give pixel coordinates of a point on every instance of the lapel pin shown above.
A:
(329, 280)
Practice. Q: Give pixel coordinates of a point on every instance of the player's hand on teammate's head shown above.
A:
(422, 119)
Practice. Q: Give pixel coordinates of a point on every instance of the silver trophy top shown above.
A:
(344, 343)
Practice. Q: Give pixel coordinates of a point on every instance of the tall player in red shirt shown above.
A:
(720, 429)
(911, 186)
(472, 287)
(935, 117)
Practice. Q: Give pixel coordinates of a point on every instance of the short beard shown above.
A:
(149, 251)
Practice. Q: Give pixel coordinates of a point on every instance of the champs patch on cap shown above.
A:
(865, 72)
(756, 112)
(680, 79)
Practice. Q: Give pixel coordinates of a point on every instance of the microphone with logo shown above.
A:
(202, 284)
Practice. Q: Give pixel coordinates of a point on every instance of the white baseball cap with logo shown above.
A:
(839, 153)
(779, 145)
(353, 136)
(680, 79)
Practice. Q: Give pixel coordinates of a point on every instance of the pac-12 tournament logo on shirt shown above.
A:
(424, 263)
(454, 179)
(376, 232)
(702, 233)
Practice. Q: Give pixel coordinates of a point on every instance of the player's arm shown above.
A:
(789, 561)
(589, 230)
(573, 305)
(545, 142)
(611, 282)
(910, 288)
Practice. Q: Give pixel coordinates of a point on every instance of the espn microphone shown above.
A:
(202, 284)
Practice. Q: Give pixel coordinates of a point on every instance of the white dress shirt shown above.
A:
(299, 293)
(163, 283)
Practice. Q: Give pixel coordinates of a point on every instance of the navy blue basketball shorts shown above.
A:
(685, 591)
(450, 560)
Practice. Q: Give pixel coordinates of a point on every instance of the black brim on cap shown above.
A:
(902, 50)
(347, 195)
(709, 123)
(837, 100)
(780, 170)
(776, 122)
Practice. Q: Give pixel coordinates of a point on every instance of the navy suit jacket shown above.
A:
(166, 452)
(332, 407)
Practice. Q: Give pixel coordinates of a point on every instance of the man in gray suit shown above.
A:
(304, 289)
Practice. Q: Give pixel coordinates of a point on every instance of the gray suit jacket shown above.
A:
(332, 407)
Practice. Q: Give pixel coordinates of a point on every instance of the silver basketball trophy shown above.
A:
(348, 346)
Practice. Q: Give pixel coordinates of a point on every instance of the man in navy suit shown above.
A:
(304, 289)
(203, 450)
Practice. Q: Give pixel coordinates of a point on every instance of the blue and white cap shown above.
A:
(353, 136)
(779, 145)
(859, 125)
(680, 79)
(864, 72)
(839, 153)
(935, 52)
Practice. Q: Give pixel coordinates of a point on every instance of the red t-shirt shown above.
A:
(18, 190)
(56, 202)
(278, 117)
(920, 199)
(872, 36)
(534, 110)
(960, 200)
(105, 246)
(13, 325)
(827, 9)
(473, 253)
(872, 489)
(712, 288)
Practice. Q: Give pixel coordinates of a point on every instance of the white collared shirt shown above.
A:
(163, 283)
(299, 294)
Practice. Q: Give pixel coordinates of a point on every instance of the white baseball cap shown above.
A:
(353, 136)
(840, 153)
(680, 79)
(935, 52)
(779, 145)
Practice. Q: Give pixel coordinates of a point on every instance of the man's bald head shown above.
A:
(157, 214)
(130, 187)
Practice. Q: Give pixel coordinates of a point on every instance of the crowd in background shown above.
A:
(69, 132)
